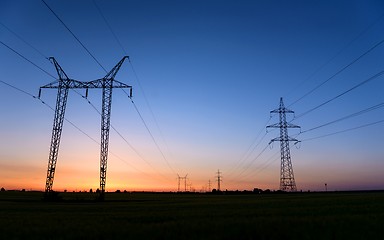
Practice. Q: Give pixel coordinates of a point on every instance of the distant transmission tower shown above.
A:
(287, 179)
(185, 182)
(209, 185)
(219, 179)
(63, 84)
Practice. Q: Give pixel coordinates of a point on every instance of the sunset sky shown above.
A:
(205, 76)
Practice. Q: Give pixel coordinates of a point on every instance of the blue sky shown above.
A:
(211, 72)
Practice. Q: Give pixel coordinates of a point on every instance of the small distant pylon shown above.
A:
(219, 179)
(287, 179)
(209, 185)
(185, 182)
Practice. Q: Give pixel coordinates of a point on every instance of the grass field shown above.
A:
(353, 215)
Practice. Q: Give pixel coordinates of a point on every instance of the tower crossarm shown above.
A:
(283, 125)
(102, 83)
(279, 139)
(66, 83)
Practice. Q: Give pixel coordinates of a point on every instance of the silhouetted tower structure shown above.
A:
(63, 84)
(219, 179)
(185, 182)
(209, 185)
(287, 179)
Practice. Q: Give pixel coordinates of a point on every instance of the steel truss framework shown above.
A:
(287, 179)
(63, 84)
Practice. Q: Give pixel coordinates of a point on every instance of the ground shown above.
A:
(337, 215)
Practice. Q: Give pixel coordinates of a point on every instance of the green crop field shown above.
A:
(347, 215)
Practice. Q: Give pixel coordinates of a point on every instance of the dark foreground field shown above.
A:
(193, 216)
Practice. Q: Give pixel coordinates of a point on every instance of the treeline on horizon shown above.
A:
(214, 191)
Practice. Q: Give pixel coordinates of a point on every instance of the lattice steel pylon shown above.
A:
(107, 83)
(63, 84)
(287, 179)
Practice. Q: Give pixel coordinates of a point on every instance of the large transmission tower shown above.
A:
(63, 84)
(287, 179)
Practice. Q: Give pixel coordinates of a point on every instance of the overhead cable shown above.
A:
(26, 59)
(346, 117)
(345, 130)
(338, 72)
(77, 39)
(343, 93)
(340, 51)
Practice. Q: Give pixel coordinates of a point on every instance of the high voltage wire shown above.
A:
(247, 155)
(18, 36)
(346, 117)
(339, 52)
(109, 26)
(345, 130)
(18, 89)
(78, 40)
(26, 59)
(150, 133)
(341, 94)
(249, 164)
(263, 165)
(148, 105)
(134, 72)
(248, 152)
(122, 137)
(338, 72)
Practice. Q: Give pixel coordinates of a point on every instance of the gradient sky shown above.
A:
(211, 72)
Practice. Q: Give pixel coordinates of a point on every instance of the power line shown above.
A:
(339, 52)
(18, 89)
(242, 161)
(249, 151)
(263, 165)
(345, 130)
(134, 73)
(109, 26)
(18, 36)
(253, 160)
(148, 105)
(346, 117)
(26, 59)
(121, 136)
(343, 93)
(153, 138)
(338, 72)
(77, 39)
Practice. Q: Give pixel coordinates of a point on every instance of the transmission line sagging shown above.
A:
(377, 75)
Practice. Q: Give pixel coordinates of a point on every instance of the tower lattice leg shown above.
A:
(105, 124)
(61, 102)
